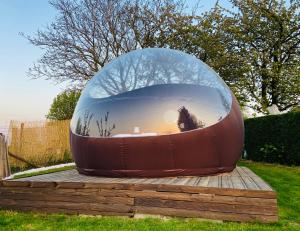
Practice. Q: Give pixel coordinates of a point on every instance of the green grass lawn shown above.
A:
(285, 180)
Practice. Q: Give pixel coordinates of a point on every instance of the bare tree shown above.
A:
(84, 128)
(87, 34)
(104, 128)
(150, 67)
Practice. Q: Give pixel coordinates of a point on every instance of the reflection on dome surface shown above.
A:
(151, 92)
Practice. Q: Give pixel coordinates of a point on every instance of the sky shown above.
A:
(22, 98)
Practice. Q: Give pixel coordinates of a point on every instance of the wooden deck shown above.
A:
(237, 196)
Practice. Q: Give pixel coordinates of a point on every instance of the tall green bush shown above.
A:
(63, 105)
(274, 138)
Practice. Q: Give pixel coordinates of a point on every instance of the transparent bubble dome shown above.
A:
(149, 92)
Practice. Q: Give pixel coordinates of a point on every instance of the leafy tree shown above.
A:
(206, 39)
(254, 47)
(63, 105)
(264, 35)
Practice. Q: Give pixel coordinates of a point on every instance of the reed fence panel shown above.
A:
(41, 143)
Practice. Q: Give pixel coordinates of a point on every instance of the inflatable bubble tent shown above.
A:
(156, 112)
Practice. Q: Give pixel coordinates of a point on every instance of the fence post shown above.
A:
(21, 138)
(4, 165)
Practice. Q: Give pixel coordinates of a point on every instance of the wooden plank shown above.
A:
(217, 191)
(201, 206)
(174, 180)
(197, 181)
(201, 197)
(205, 214)
(169, 188)
(70, 185)
(164, 180)
(233, 199)
(246, 180)
(213, 181)
(226, 182)
(181, 181)
(203, 182)
(237, 183)
(10, 183)
(191, 181)
(67, 205)
(257, 180)
(85, 191)
(91, 198)
(41, 184)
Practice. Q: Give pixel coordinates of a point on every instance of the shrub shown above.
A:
(274, 138)
(63, 105)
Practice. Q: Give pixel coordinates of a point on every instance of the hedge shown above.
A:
(274, 138)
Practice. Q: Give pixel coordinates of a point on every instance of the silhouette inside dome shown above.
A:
(187, 121)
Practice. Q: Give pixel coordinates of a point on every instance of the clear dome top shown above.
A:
(153, 91)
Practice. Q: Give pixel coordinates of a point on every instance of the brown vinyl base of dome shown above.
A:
(208, 151)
